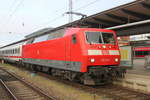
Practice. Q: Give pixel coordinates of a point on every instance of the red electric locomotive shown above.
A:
(88, 55)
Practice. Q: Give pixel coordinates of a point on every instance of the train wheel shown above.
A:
(86, 79)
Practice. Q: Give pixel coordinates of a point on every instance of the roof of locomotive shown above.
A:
(52, 30)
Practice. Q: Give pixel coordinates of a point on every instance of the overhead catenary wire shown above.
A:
(50, 21)
(63, 7)
(19, 4)
(13, 12)
(11, 6)
(56, 18)
(10, 9)
(60, 16)
(85, 6)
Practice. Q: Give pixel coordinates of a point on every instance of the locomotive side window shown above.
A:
(74, 39)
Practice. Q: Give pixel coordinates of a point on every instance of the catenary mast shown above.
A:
(70, 10)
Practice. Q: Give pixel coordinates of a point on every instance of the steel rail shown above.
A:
(41, 92)
(9, 91)
(125, 93)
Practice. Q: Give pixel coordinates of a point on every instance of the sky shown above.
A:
(19, 18)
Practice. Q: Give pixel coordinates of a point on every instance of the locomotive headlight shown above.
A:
(104, 46)
(116, 59)
(92, 60)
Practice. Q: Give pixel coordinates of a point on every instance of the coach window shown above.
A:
(15, 51)
(8, 51)
(18, 50)
(74, 39)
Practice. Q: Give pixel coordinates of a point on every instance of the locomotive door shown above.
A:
(68, 52)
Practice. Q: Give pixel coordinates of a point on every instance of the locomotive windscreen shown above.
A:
(100, 37)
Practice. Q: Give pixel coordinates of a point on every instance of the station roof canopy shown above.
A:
(135, 11)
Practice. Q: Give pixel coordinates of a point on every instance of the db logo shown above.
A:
(105, 52)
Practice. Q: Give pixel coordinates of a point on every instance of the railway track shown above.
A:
(18, 89)
(113, 92)
(4, 94)
(121, 93)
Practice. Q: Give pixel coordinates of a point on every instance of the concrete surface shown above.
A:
(137, 78)
(138, 68)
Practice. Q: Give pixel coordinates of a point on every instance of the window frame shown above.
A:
(74, 36)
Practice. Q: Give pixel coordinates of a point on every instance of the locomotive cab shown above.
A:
(101, 52)
(102, 48)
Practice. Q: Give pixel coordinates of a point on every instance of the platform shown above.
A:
(136, 78)
(138, 68)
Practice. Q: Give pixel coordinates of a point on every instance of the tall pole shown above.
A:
(70, 10)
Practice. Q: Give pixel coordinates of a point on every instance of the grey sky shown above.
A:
(21, 17)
